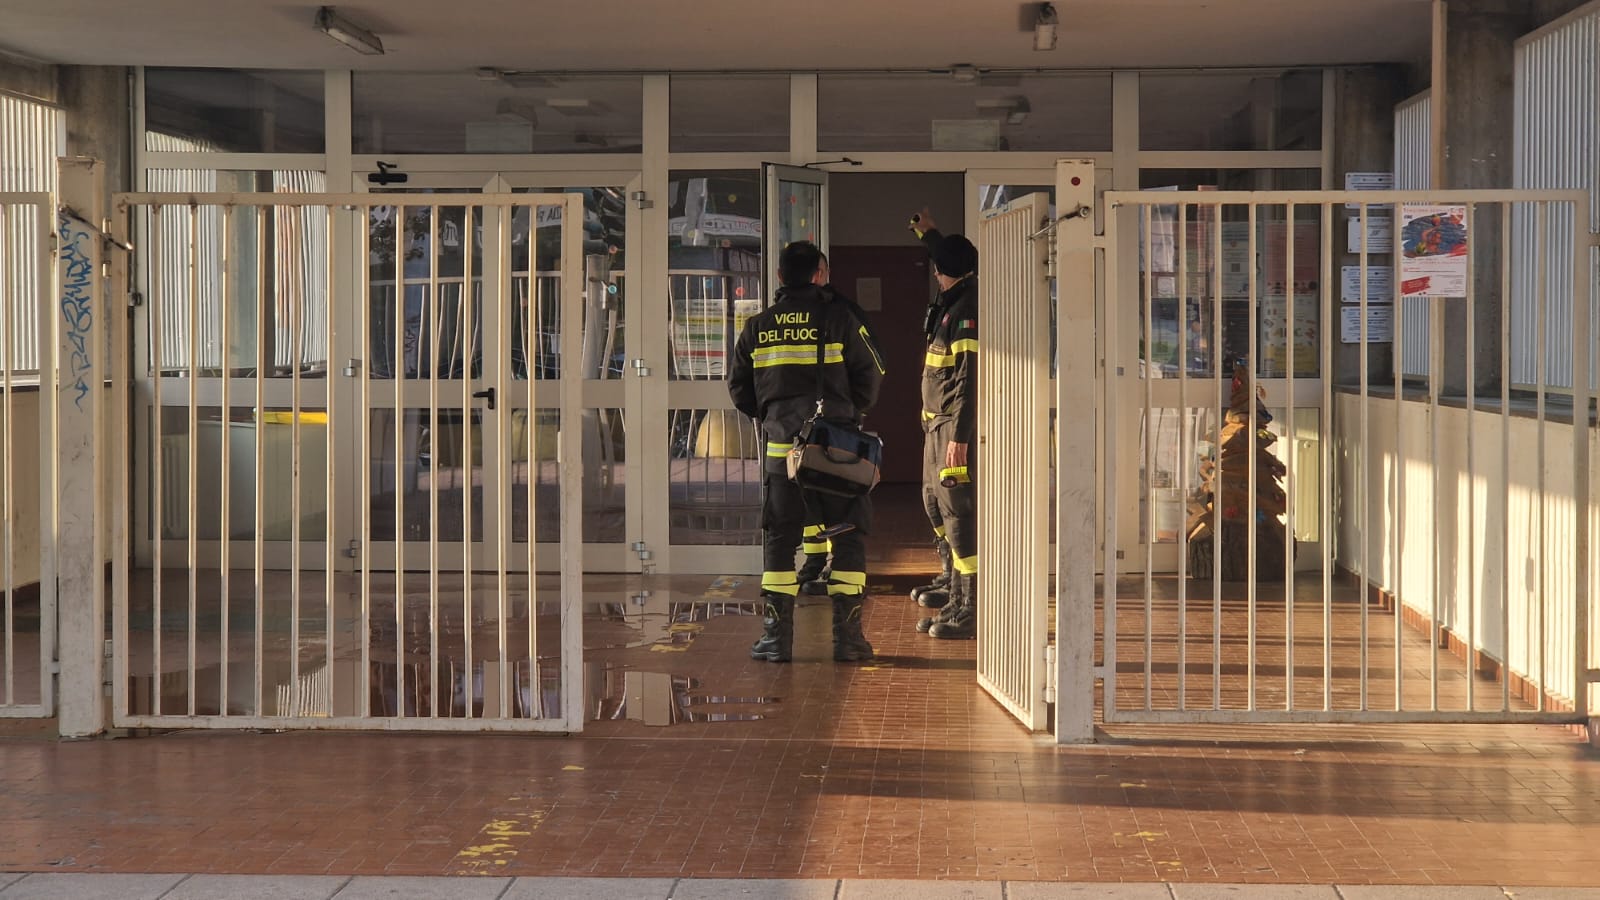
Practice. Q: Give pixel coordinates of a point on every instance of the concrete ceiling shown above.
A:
(718, 34)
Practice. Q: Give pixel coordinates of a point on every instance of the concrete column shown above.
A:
(1479, 107)
(1363, 113)
(76, 395)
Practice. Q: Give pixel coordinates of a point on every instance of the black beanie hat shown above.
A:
(955, 257)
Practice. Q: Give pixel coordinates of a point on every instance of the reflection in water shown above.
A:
(421, 661)
(657, 698)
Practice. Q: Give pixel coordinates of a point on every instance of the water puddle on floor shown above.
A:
(658, 698)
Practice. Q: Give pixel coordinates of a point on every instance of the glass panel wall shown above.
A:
(1238, 111)
(233, 111)
(465, 112)
(727, 114)
(991, 111)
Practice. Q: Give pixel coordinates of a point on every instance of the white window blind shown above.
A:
(31, 140)
(1557, 134)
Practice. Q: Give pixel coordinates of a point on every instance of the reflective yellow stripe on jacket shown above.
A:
(795, 355)
(946, 360)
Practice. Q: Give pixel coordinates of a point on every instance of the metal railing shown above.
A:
(449, 628)
(1464, 521)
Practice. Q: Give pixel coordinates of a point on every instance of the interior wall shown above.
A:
(872, 209)
(1461, 513)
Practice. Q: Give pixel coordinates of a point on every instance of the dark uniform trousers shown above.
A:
(786, 510)
(953, 511)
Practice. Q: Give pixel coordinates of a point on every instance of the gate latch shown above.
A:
(352, 550)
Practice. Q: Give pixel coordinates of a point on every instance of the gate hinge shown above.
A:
(643, 549)
(641, 368)
(352, 368)
(352, 549)
(1050, 673)
(643, 200)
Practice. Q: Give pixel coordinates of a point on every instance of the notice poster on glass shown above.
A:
(1380, 324)
(1380, 235)
(1433, 251)
(1277, 336)
(1380, 284)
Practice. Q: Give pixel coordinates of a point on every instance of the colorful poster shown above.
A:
(1433, 251)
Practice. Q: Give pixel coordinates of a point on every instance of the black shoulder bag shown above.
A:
(833, 457)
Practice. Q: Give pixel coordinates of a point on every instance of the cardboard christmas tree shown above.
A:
(1231, 491)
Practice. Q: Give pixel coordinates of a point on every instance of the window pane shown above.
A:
(461, 112)
(721, 113)
(279, 252)
(1212, 255)
(233, 110)
(1009, 111)
(714, 264)
(1251, 111)
(714, 494)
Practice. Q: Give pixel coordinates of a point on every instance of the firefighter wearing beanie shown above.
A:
(950, 425)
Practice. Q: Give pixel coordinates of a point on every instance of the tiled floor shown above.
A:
(696, 762)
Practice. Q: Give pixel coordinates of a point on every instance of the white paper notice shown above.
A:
(1380, 284)
(1433, 251)
(1380, 324)
(1380, 235)
(1368, 181)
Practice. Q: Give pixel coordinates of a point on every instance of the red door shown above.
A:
(900, 294)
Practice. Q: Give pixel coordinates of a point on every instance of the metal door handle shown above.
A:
(485, 394)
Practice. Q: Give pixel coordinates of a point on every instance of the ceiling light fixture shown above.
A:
(348, 33)
(1044, 28)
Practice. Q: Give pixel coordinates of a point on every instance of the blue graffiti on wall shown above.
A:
(77, 302)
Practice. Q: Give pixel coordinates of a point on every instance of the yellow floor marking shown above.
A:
(494, 848)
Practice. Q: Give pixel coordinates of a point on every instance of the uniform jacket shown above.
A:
(773, 376)
(950, 368)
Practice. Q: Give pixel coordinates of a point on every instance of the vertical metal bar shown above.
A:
(1216, 472)
(363, 419)
(1582, 349)
(1471, 520)
(397, 373)
(158, 300)
(1148, 488)
(116, 457)
(502, 475)
(9, 295)
(1252, 505)
(1329, 321)
(1506, 251)
(297, 327)
(194, 446)
(1364, 459)
(469, 338)
(571, 462)
(1110, 386)
(532, 478)
(329, 468)
(261, 367)
(1397, 354)
(225, 544)
(1541, 312)
(434, 450)
(1183, 448)
(1289, 432)
(1435, 379)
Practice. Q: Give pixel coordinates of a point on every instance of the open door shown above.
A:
(1013, 491)
(794, 208)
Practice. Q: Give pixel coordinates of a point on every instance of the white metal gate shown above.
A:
(1014, 485)
(402, 369)
(1453, 524)
(28, 620)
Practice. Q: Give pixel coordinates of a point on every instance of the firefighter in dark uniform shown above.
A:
(813, 542)
(773, 378)
(950, 425)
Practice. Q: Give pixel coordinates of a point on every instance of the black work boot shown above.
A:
(937, 592)
(925, 624)
(776, 643)
(813, 574)
(962, 623)
(849, 644)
